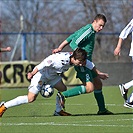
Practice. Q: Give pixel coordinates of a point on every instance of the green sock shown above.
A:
(100, 99)
(75, 91)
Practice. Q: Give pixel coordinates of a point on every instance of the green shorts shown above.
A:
(85, 74)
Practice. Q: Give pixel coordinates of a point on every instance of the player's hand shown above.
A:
(103, 75)
(117, 51)
(8, 49)
(56, 50)
(29, 75)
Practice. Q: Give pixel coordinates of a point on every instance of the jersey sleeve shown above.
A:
(89, 64)
(127, 30)
(73, 45)
(46, 62)
(72, 37)
(69, 39)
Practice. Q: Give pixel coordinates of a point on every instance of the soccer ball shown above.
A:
(47, 91)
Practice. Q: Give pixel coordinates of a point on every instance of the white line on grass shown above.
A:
(81, 104)
(82, 124)
(109, 120)
(60, 124)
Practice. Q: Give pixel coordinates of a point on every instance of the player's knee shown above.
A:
(89, 89)
(31, 99)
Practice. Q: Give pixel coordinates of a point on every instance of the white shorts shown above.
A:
(37, 81)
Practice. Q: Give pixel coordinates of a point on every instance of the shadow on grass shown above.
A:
(126, 113)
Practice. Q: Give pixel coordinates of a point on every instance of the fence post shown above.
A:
(23, 48)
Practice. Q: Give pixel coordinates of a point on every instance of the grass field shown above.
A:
(38, 117)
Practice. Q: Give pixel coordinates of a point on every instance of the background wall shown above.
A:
(14, 74)
(118, 72)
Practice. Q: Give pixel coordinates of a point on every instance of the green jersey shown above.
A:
(83, 38)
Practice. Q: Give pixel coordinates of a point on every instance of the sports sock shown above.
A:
(100, 99)
(75, 91)
(128, 84)
(58, 106)
(130, 99)
(16, 101)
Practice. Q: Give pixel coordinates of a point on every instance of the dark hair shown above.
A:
(100, 16)
(79, 54)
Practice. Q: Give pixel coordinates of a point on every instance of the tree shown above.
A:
(55, 17)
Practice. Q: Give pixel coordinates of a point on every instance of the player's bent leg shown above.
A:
(89, 87)
(100, 98)
(20, 100)
(14, 102)
(60, 99)
(33, 93)
(97, 83)
(59, 109)
(31, 97)
(60, 86)
(77, 90)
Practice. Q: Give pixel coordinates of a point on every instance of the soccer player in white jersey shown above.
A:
(124, 87)
(48, 72)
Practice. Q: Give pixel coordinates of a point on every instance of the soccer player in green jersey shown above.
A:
(85, 39)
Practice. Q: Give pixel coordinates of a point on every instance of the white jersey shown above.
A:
(50, 68)
(125, 32)
(55, 64)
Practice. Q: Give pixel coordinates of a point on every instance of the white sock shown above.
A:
(130, 99)
(58, 107)
(128, 84)
(16, 101)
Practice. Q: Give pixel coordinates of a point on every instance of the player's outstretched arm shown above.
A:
(118, 47)
(31, 74)
(92, 66)
(61, 46)
(7, 49)
(101, 74)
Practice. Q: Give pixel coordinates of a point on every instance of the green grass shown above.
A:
(37, 117)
